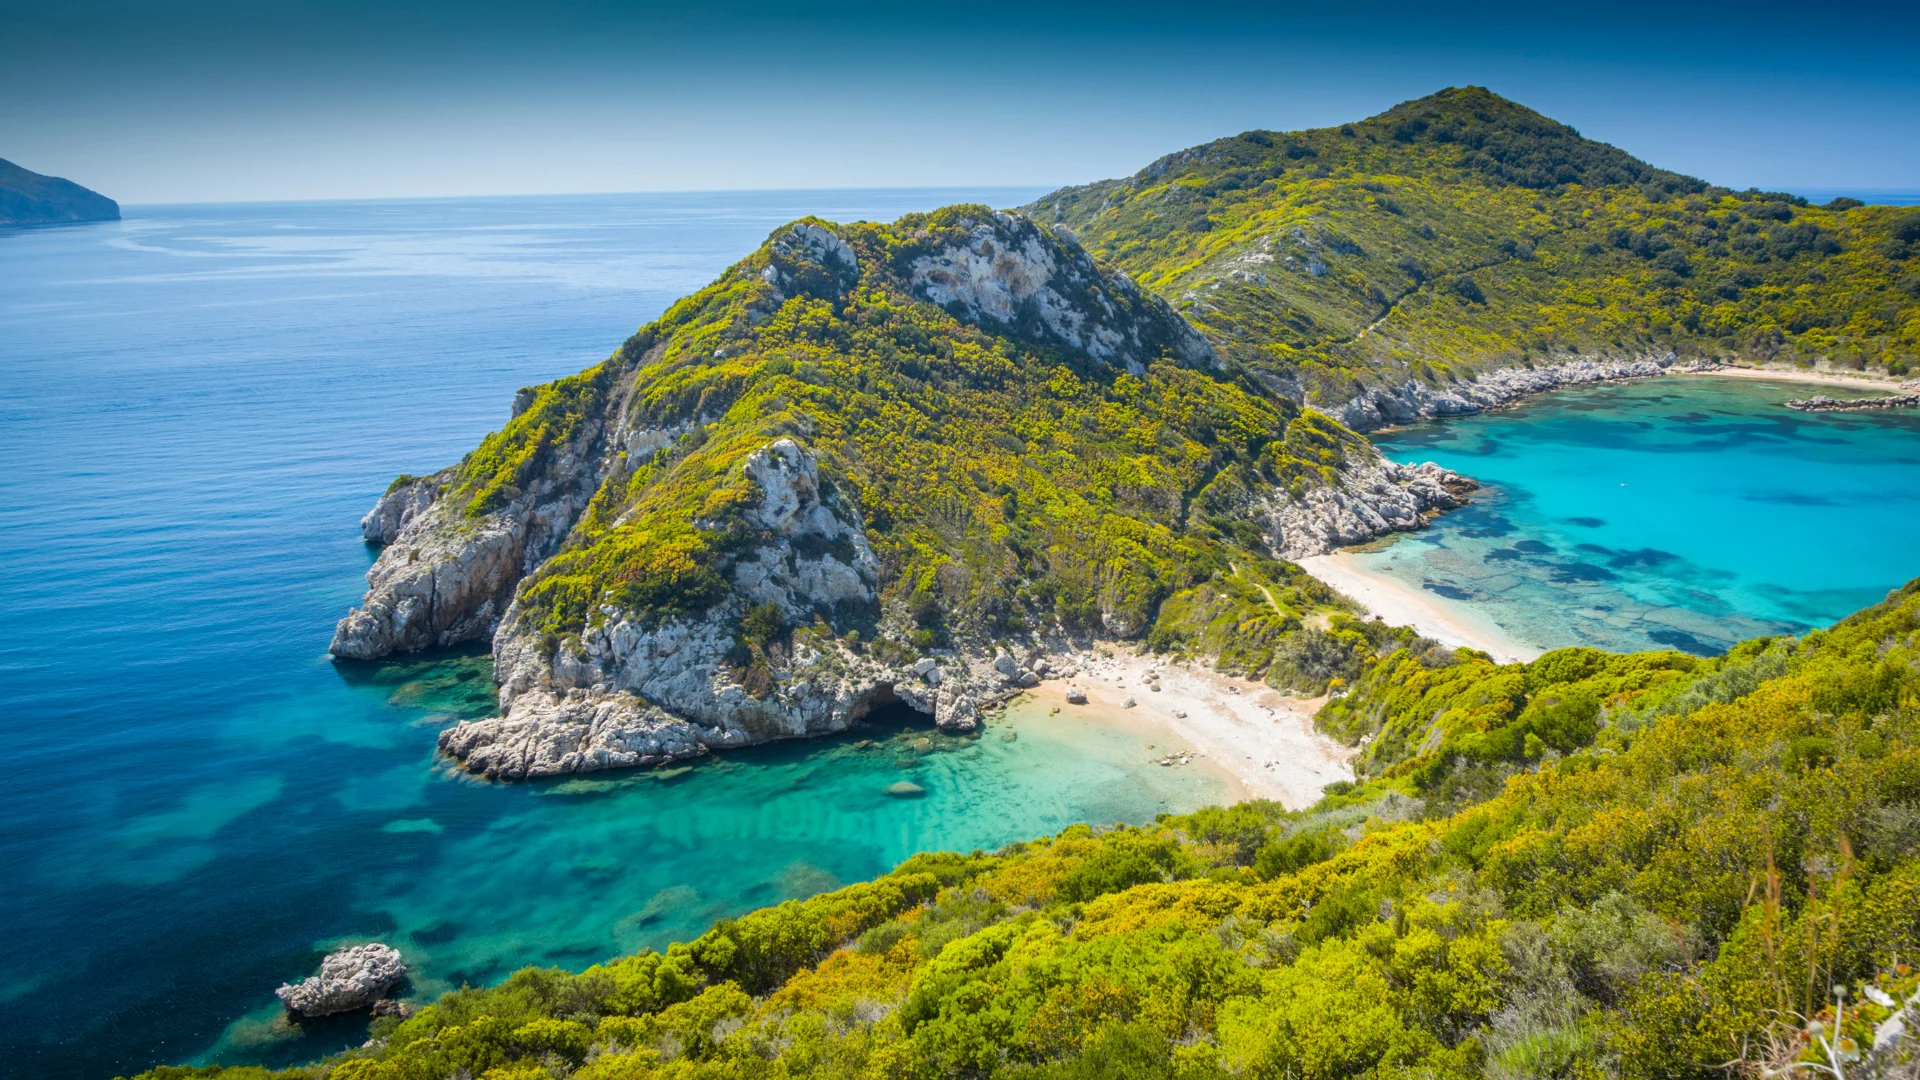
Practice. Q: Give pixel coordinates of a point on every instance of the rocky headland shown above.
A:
(28, 198)
(791, 614)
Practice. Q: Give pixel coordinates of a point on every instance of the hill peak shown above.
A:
(28, 198)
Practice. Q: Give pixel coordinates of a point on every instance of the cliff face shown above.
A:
(28, 198)
(832, 479)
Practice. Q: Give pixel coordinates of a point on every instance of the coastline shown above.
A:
(1261, 742)
(1795, 375)
(1402, 605)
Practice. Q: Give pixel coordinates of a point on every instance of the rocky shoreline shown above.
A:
(1414, 401)
(1823, 403)
(626, 694)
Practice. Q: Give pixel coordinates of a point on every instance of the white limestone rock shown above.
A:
(348, 979)
(1415, 400)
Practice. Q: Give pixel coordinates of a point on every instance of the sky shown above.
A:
(153, 102)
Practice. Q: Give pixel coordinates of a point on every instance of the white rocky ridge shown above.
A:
(1370, 499)
(1011, 266)
(348, 979)
(1414, 400)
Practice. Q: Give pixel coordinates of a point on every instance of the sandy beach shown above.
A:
(1260, 741)
(1403, 605)
(1815, 378)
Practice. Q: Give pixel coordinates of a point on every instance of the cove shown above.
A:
(1685, 512)
(196, 802)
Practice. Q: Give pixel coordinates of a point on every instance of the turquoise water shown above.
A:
(1683, 512)
(199, 402)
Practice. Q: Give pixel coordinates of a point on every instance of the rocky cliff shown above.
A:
(832, 480)
(28, 198)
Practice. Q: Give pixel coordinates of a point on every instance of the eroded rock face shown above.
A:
(1012, 272)
(1372, 498)
(635, 693)
(348, 979)
(1417, 401)
(445, 577)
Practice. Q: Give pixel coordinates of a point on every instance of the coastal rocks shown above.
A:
(405, 501)
(445, 575)
(631, 692)
(1370, 499)
(1012, 272)
(348, 979)
(1823, 403)
(1414, 400)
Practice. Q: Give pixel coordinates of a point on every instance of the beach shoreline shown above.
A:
(1811, 378)
(1401, 604)
(1262, 743)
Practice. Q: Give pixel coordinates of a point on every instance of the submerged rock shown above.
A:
(905, 789)
(348, 979)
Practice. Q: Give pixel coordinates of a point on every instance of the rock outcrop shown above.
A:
(445, 575)
(348, 979)
(1414, 401)
(637, 693)
(1823, 403)
(1372, 498)
(1012, 272)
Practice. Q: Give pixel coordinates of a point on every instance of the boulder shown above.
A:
(1076, 696)
(348, 979)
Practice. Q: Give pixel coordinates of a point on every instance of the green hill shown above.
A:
(1591, 865)
(1462, 232)
(28, 198)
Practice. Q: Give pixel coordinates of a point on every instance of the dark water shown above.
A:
(1682, 512)
(198, 403)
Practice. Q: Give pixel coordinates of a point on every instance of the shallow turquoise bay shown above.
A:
(1686, 512)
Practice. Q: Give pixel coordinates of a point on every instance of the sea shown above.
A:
(197, 403)
(1682, 512)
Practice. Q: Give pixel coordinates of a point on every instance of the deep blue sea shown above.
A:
(196, 406)
(1686, 512)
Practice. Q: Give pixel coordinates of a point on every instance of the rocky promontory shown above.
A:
(28, 198)
(832, 481)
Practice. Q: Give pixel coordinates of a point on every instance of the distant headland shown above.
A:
(28, 198)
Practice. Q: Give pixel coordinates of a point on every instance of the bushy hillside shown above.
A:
(1687, 861)
(1462, 231)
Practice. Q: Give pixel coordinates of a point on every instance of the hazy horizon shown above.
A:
(227, 101)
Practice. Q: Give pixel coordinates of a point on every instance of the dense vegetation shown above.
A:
(1007, 482)
(1685, 862)
(1463, 231)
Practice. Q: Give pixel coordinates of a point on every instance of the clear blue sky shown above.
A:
(154, 102)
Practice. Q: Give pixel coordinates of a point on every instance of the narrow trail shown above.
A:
(1264, 591)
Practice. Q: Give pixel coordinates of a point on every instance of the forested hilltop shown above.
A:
(1463, 232)
(1651, 865)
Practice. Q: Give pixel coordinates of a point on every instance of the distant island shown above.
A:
(28, 198)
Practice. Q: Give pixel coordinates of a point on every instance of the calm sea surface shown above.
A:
(1683, 512)
(196, 406)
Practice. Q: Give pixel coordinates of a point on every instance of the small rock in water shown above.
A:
(1010, 736)
(349, 979)
(923, 744)
(905, 789)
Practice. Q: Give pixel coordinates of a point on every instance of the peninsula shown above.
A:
(28, 198)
